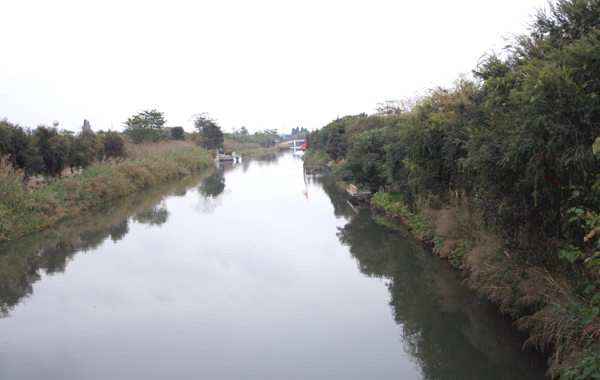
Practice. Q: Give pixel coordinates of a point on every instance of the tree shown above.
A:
(112, 145)
(209, 134)
(83, 149)
(266, 138)
(394, 107)
(15, 141)
(568, 20)
(366, 159)
(53, 149)
(177, 133)
(145, 126)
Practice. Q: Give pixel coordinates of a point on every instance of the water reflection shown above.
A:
(280, 296)
(270, 158)
(118, 230)
(446, 330)
(154, 216)
(49, 252)
(211, 190)
(336, 193)
(213, 185)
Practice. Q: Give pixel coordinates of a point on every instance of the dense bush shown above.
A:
(48, 151)
(514, 142)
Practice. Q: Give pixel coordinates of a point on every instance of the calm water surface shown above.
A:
(254, 271)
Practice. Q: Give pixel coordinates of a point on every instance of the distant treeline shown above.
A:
(264, 139)
(48, 151)
(298, 131)
(517, 143)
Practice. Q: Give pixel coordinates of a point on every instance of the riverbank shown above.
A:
(256, 152)
(24, 210)
(532, 295)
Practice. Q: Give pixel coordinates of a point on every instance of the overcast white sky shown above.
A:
(260, 64)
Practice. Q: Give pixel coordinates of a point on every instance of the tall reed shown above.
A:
(24, 210)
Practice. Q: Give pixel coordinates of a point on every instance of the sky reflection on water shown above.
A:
(237, 274)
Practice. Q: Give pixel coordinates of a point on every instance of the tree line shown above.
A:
(264, 138)
(518, 137)
(49, 151)
(518, 140)
(298, 131)
(149, 126)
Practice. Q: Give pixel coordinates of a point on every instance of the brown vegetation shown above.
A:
(24, 210)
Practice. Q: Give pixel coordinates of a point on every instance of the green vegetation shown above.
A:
(177, 133)
(23, 261)
(148, 126)
(298, 132)
(317, 157)
(26, 209)
(45, 150)
(246, 144)
(145, 127)
(209, 134)
(115, 164)
(500, 173)
(261, 139)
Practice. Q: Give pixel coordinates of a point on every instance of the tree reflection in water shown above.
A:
(23, 261)
(210, 191)
(446, 329)
(155, 216)
(213, 185)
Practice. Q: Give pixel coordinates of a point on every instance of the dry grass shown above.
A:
(236, 146)
(550, 325)
(27, 209)
(137, 151)
(532, 295)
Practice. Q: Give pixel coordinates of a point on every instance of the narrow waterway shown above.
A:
(253, 271)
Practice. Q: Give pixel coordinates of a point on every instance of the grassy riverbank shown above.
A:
(23, 261)
(533, 295)
(250, 148)
(24, 210)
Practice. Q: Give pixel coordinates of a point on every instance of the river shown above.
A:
(253, 271)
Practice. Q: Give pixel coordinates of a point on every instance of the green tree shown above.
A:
(17, 142)
(112, 144)
(209, 134)
(365, 163)
(566, 21)
(336, 143)
(265, 138)
(145, 127)
(53, 149)
(84, 149)
(177, 133)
